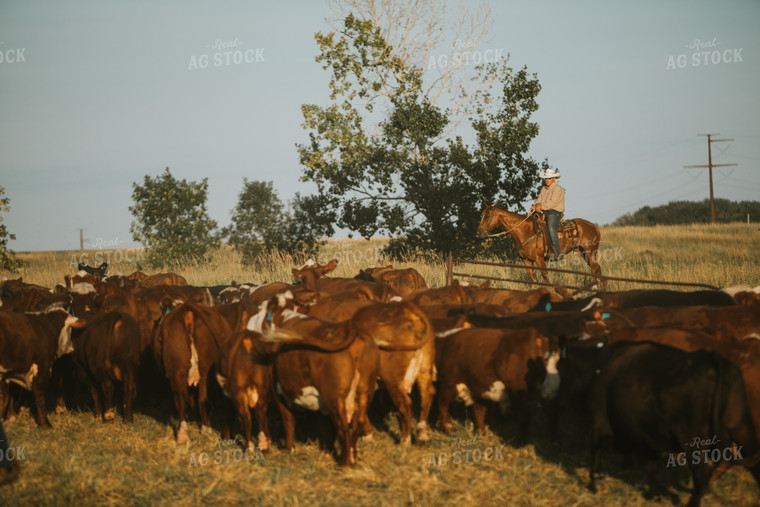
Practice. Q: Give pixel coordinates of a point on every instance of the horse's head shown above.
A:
(487, 221)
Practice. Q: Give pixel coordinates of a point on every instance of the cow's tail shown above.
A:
(279, 335)
(188, 320)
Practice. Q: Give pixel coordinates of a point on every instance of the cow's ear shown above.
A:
(247, 344)
(485, 284)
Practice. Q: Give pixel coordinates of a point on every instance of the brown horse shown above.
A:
(531, 246)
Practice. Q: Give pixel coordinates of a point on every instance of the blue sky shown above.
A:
(108, 92)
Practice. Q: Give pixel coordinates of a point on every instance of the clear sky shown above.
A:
(95, 94)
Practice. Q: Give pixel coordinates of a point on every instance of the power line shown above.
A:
(710, 165)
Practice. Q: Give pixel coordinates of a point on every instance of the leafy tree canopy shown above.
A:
(260, 223)
(171, 220)
(384, 151)
(8, 260)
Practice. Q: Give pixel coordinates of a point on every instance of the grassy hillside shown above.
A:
(83, 461)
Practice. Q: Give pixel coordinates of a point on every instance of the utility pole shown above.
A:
(81, 240)
(710, 165)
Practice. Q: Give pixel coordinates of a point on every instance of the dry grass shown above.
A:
(83, 461)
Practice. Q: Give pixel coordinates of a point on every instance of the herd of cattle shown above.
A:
(655, 370)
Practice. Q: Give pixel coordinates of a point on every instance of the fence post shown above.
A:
(449, 270)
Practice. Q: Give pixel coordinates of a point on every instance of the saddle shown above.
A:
(567, 231)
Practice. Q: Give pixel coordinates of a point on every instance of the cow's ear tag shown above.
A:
(599, 345)
(548, 307)
(168, 309)
(564, 352)
(269, 317)
(605, 316)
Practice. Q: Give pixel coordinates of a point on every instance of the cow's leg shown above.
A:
(5, 398)
(600, 433)
(261, 410)
(427, 393)
(551, 411)
(59, 387)
(364, 397)
(179, 388)
(86, 379)
(288, 423)
(344, 433)
(130, 392)
(203, 404)
(403, 403)
(445, 397)
(519, 402)
(39, 385)
(700, 473)
(229, 417)
(107, 385)
(479, 413)
(244, 415)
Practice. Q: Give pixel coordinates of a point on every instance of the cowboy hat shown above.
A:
(549, 173)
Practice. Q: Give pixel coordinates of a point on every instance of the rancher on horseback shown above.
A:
(551, 201)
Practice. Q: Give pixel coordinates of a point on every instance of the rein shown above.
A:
(512, 229)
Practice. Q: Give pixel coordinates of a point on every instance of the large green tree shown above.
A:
(389, 149)
(8, 259)
(171, 220)
(260, 223)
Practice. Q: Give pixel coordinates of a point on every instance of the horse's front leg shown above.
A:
(529, 264)
(542, 266)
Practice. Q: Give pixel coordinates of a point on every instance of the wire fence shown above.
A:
(450, 274)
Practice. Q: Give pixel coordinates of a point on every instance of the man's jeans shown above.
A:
(552, 221)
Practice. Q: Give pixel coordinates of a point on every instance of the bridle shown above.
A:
(512, 229)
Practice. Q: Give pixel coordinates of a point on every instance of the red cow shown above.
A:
(186, 344)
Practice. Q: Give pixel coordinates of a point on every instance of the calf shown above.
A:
(186, 344)
(406, 340)
(328, 368)
(404, 281)
(496, 365)
(648, 398)
(244, 372)
(109, 350)
(29, 344)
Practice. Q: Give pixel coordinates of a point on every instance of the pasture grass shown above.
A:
(86, 462)
(718, 255)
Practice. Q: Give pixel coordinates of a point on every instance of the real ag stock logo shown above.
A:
(226, 53)
(12, 55)
(704, 53)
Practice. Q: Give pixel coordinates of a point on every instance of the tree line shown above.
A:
(692, 212)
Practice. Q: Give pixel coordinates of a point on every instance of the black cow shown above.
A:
(648, 399)
(100, 270)
(638, 299)
(107, 351)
